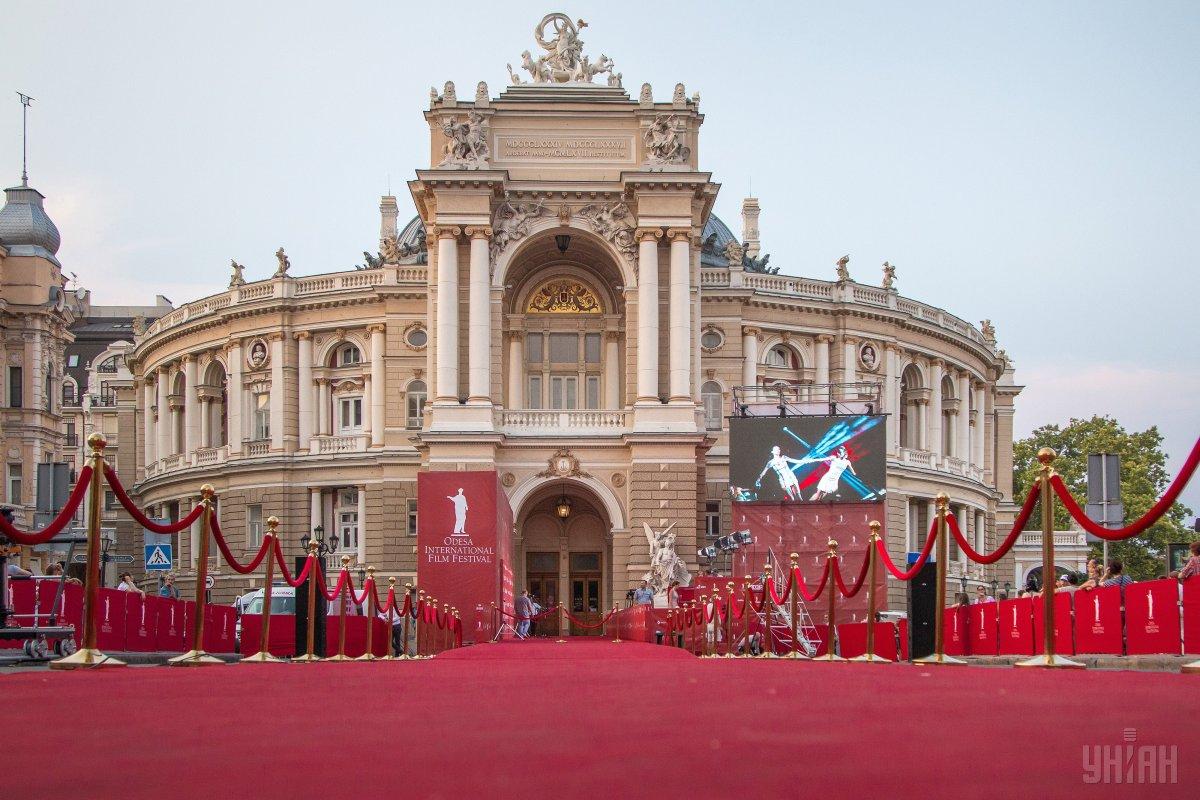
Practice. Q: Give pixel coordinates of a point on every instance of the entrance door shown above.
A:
(585, 602)
(541, 579)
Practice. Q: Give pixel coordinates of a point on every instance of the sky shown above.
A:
(1034, 163)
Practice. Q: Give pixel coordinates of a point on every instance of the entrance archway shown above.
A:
(563, 554)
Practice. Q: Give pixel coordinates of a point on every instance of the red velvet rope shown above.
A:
(585, 625)
(799, 579)
(544, 613)
(787, 592)
(1146, 520)
(287, 576)
(57, 524)
(910, 574)
(1018, 528)
(342, 582)
(224, 548)
(172, 527)
(858, 583)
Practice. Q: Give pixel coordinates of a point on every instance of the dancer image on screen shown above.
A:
(839, 462)
(787, 479)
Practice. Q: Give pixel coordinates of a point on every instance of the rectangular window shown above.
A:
(73, 360)
(591, 348)
(350, 414)
(712, 519)
(412, 516)
(712, 411)
(262, 416)
(14, 484)
(563, 390)
(110, 500)
(564, 348)
(533, 348)
(348, 530)
(593, 391)
(16, 388)
(416, 408)
(254, 526)
(534, 397)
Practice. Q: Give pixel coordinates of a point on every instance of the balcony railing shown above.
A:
(348, 443)
(1061, 539)
(258, 447)
(927, 460)
(211, 455)
(546, 422)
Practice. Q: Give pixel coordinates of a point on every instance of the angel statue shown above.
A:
(666, 567)
(284, 264)
(843, 269)
(889, 275)
(663, 145)
(238, 277)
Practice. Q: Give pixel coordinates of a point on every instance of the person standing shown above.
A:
(524, 612)
(643, 595)
(168, 589)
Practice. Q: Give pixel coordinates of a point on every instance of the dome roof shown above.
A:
(24, 227)
(712, 249)
(413, 235)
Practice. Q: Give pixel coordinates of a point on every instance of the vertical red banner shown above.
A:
(1152, 617)
(169, 637)
(955, 640)
(141, 634)
(984, 624)
(1016, 627)
(1064, 640)
(219, 628)
(110, 620)
(464, 538)
(1098, 621)
(1191, 615)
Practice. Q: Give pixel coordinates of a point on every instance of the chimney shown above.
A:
(750, 211)
(388, 213)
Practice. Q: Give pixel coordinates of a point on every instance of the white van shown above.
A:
(283, 601)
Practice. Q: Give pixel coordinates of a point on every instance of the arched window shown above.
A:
(781, 356)
(347, 355)
(110, 364)
(710, 395)
(415, 404)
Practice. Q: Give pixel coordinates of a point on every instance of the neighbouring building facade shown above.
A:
(565, 309)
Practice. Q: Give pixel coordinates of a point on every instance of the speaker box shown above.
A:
(302, 614)
(922, 610)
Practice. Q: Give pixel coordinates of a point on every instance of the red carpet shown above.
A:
(585, 718)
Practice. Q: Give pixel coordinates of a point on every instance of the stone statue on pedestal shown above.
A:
(666, 567)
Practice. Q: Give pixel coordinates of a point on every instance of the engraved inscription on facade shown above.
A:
(572, 148)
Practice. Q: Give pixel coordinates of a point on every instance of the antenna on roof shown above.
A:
(25, 101)
(751, 188)
(389, 182)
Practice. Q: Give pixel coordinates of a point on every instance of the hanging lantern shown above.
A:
(563, 509)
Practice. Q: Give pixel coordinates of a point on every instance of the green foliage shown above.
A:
(1144, 478)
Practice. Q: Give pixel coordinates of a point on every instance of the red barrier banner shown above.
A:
(1064, 641)
(1016, 627)
(356, 636)
(1098, 621)
(141, 623)
(1191, 615)
(852, 639)
(282, 635)
(955, 641)
(110, 620)
(169, 636)
(20, 601)
(902, 635)
(219, 629)
(1152, 617)
(983, 623)
(464, 534)
(189, 614)
(821, 639)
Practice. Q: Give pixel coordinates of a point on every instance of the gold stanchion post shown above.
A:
(309, 656)
(616, 626)
(939, 656)
(196, 657)
(419, 625)
(701, 627)
(408, 594)
(368, 655)
(831, 587)
(341, 651)
(871, 540)
(1048, 658)
(794, 601)
(768, 641)
(391, 641)
(729, 587)
(89, 656)
(263, 656)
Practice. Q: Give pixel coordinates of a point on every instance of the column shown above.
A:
(891, 395)
(479, 320)
(236, 395)
(680, 322)
(148, 432)
(822, 376)
(931, 506)
(980, 529)
(193, 537)
(934, 412)
(368, 416)
(447, 315)
(749, 356)
(612, 370)
(315, 507)
(205, 421)
(964, 417)
(377, 385)
(191, 407)
(647, 357)
(304, 389)
(920, 418)
(977, 433)
(362, 525)
(323, 406)
(966, 532)
(849, 367)
(516, 370)
(277, 392)
(164, 412)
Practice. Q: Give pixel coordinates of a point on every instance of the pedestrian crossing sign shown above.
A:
(158, 556)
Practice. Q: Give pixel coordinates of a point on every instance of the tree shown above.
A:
(1144, 478)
